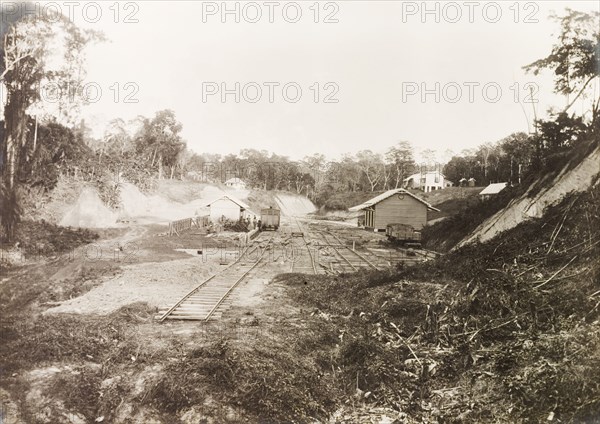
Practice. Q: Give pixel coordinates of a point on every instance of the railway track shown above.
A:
(208, 300)
(369, 258)
(366, 256)
(301, 262)
(348, 263)
(395, 257)
(429, 254)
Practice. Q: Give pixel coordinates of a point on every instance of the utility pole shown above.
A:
(534, 112)
(538, 146)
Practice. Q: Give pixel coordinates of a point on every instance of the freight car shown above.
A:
(403, 234)
(270, 218)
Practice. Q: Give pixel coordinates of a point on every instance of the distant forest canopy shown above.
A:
(40, 143)
(147, 149)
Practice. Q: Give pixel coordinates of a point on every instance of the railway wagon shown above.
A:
(270, 218)
(403, 234)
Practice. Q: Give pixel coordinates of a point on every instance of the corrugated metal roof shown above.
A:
(493, 188)
(387, 194)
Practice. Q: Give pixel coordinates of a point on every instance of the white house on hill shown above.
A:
(427, 181)
(236, 183)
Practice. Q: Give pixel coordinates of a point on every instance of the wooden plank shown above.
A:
(406, 211)
(195, 316)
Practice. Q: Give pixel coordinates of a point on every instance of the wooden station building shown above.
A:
(397, 206)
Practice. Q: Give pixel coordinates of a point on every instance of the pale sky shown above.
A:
(374, 53)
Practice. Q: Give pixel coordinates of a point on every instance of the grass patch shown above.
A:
(62, 337)
(444, 235)
(45, 239)
(266, 382)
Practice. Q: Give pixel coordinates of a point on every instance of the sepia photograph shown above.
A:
(299, 212)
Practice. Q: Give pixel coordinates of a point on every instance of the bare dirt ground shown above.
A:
(151, 282)
(110, 291)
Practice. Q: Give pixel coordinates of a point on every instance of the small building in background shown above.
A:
(471, 182)
(236, 183)
(492, 190)
(397, 206)
(427, 181)
(229, 208)
(462, 182)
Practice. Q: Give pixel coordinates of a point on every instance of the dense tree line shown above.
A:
(38, 145)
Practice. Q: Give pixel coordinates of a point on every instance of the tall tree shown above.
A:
(574, 58)
(429, 157)
(371, 165)
(159, 141)
(401, 157)
(29, 44)
(519, 150)
(316, 165)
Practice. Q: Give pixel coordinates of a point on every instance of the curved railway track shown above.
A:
(206, 300)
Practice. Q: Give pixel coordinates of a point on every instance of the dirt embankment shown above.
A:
(76, 206)
(529, 205)
(294, 204)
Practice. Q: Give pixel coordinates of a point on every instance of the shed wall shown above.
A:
(407, 211)
(231, 210)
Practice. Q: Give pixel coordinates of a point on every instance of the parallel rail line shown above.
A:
(352, 265)
(371, 264)
(310, 255)
(390, 261)
(373, 259)
(204, 300)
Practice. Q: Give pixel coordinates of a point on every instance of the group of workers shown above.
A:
(252, 224)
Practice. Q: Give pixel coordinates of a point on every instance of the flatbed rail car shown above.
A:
(403, 234)
(270, 218)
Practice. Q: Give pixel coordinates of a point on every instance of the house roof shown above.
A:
(234, 200)
(387, 194)
(418, 174)
(494, 188)
(235, 180)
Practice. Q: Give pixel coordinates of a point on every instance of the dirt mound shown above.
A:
(173, 200)
(135, 204)
(89, 212)
(176, 203)
(530, 205)
(294, 204)
(52, 206)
